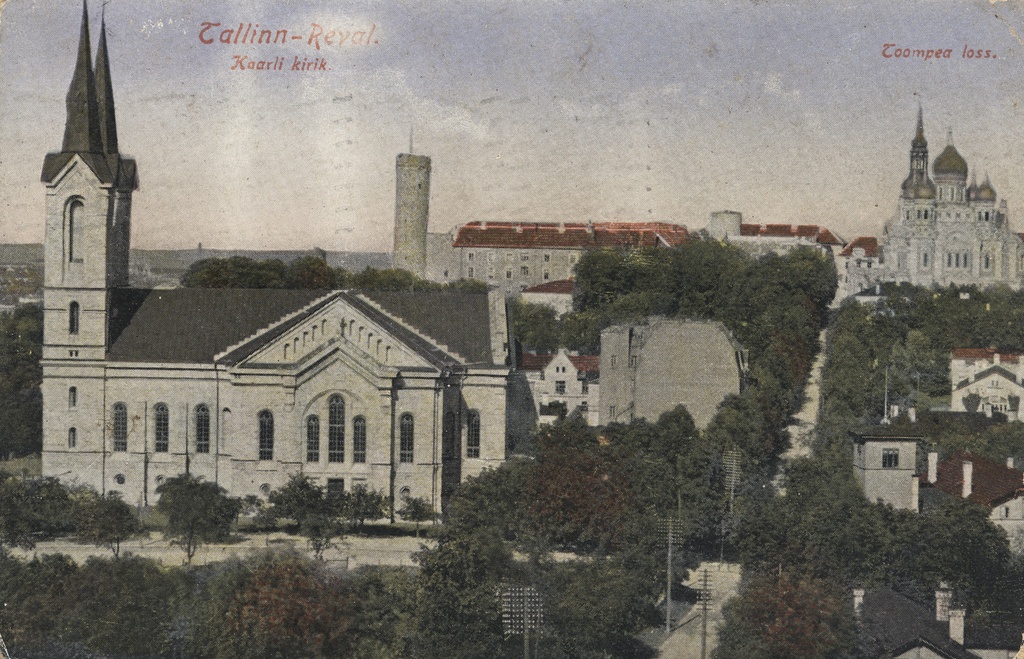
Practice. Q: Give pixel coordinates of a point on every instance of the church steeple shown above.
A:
(918, 185)
(82, 129)
(105, 96)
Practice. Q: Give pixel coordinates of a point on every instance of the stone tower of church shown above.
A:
(88, 213)
(412, 206)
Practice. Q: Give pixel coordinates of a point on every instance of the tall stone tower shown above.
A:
(412, 206)
(88, 213)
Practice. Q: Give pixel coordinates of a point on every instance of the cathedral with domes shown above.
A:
(946, 231)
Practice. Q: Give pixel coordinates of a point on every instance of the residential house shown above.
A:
(995, 378)
(996, 486)
(563, 384)
(554, 294)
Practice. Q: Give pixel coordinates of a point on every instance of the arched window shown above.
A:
(336, 429)
(72, 396)
(72, 437)
(73, 311)
(75, 216)
(162, 428)
(359, 439)
(312, 438)
(202, 429)
(405, 447)
(266, 418)
(473, 434)
(120, 427)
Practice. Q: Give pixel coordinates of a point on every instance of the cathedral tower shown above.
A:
(88, 213)
(412, 205)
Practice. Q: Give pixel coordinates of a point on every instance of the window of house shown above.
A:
(584, 406)
(634, 360)
(613, 361)
(987, 262)
(584, 387)
(508, 274)
(405, 449)
(72, 396)
(547, 275)
(72, 437)
(524, 271)
(924, 259)
(473, 434)
(336, 429)
(470, 256)
(559, 386)
(202, 415)
(547, 258)
(1006, 512)
(359, 439)
(611, 412)
(73, 312)
(470, 272)
(266, 445)
(120, 413)
(120, 479)
(890, 458)
(312, 438)
(524, 257)
(162, 428)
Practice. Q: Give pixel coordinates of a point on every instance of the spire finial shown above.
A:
(82, 129)
(949, 136)
(105, 94)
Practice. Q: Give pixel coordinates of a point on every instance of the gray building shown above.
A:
(886, 468)
(649, 368)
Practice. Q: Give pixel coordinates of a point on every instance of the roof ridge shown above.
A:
(409, 326)
(263, 330)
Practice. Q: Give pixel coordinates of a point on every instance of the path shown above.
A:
(685, 641)
(801, 430)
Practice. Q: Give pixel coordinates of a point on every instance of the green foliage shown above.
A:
(783, 617)
(416, 509)
(105, 520)
(32, 510)
(320, 515)
(21, 402)
(971, 402)
(536, 326)
(197, 512)
(235, 272)
(364, 504)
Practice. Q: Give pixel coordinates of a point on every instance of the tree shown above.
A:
(235, 272)
(197, 512)
(21, 401)
(367, 504)
(106, 520)
(971, 402)
(319, 514)
(416, 509)
(536, 326)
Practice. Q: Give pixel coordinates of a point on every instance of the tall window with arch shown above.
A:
(76, 213)
(202, 423)
(359, 439)
(336, 429)
(266, 446)
(405, 437)
(73, 313)
(120, 429)
(72, 397)
(312, 438)
(162, 428)
(72, 437)
(473, 434)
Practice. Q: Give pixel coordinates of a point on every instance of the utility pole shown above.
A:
(672, 527)
(522, 611)
(705, 604)
(4, 654)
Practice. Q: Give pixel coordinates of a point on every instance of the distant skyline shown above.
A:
(534, 110)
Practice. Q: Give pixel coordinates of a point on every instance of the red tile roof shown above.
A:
(530, 362)
(564, 286)
(540, 235)
(586, 363)
(821, 235)
(985, 353)
(992, 482)
(868, 243)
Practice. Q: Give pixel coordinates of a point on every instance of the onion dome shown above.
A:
(950, 164)
(972, 191)
(918, 188)
(985, 191)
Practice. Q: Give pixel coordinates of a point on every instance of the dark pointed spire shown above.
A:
(919, 137)
(82, 130)
(105, 95)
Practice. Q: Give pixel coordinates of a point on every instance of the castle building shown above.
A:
(402, 393)
(945, 230)
(761, 239)
(514, 256)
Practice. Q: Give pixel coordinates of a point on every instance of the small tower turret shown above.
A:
(412, 211)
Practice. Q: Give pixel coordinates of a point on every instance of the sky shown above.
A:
(535, 110)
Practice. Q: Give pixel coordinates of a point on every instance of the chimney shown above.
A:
(995, 358)
(915, 493)
(933, 467)
(968, 478)
(956, 625)
(858, 602)
(912, 414)
(1009, 462)
(943, 598)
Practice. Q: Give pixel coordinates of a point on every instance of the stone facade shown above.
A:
(403, 393)
(886, 468)
(648, 369)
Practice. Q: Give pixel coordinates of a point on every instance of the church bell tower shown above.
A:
(88, 213)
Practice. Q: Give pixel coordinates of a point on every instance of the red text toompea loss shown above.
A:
(895, 51)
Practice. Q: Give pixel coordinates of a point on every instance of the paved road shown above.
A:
(685, 641)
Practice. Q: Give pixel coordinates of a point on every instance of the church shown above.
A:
(401, 393)
(945, 231)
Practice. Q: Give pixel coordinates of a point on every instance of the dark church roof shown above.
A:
(194, 325)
